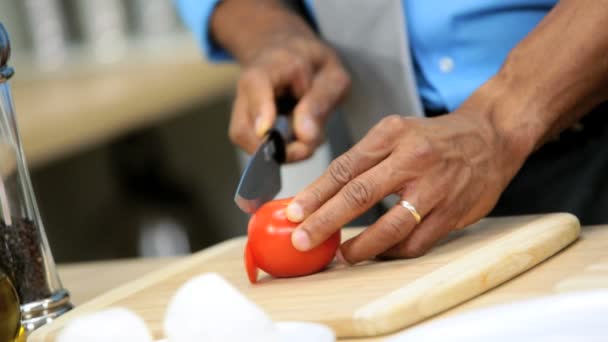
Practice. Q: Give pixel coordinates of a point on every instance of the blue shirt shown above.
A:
(456, 45)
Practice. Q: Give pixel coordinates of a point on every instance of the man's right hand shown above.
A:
(282, 54)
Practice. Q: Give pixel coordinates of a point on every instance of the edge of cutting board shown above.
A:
(495, 263)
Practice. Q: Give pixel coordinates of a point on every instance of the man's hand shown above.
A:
(451, 168)
(281, 54)
(302, 65)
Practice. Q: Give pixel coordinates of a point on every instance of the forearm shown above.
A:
(243, 27)
(552, 78)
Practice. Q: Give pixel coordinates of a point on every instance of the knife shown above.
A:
(261, 179)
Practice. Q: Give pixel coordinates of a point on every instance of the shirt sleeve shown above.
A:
(196, 15)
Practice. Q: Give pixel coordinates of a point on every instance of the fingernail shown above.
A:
(261, 126)
(309, 128)
(295, 213)
(300, 240)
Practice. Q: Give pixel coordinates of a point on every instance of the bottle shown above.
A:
(10, 324)
(25, 255)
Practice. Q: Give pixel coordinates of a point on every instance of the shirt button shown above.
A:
(446, 64)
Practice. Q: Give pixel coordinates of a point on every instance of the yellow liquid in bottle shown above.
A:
(10, 312)
(20, 336)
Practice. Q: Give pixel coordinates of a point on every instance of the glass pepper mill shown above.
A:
(25, 255)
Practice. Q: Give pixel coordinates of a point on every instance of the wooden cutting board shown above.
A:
(365, 300)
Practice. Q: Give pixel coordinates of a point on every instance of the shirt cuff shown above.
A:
(196, 15)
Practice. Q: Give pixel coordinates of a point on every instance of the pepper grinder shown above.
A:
(25, 255)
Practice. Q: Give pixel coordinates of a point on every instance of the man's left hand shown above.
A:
(451, 168)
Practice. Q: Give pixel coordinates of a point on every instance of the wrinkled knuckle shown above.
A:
(389, 127)
(423, 150)
(321, 221)
(386, 131)
(316, 194)
(392, 121)
(392, 230)
(414, 250)
(359, 193)
(341, 170)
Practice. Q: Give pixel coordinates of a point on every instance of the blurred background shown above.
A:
(124, 128)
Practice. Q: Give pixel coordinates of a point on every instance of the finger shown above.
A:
(264, 83)
(370, 151)
(433, 228)
(256, 86)
(288, 70)
(394, 226)
(352, 200)
(301, 77)
(240, 128)
(297, 151)
(448, 209)
(328, 88)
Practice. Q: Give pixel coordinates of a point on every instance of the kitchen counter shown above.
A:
(582, 266)
(65, 112)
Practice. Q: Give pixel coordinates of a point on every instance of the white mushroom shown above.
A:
(208, 308)
(304, 331)
(116, 325)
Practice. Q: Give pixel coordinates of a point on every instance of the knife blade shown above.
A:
(261, 179)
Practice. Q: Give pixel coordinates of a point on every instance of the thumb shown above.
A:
(307, 122)
(262, 109)
(264, 114)
(259, 92)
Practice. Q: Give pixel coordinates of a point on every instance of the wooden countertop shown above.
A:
(584, 265)
(83, 282)
(65, 112)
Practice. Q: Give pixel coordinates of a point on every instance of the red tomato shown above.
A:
(252, 271)
(269, 246)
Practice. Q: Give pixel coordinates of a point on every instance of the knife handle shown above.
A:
(282, 131)
(285, 106)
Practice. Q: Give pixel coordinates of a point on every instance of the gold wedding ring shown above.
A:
(407, 205)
